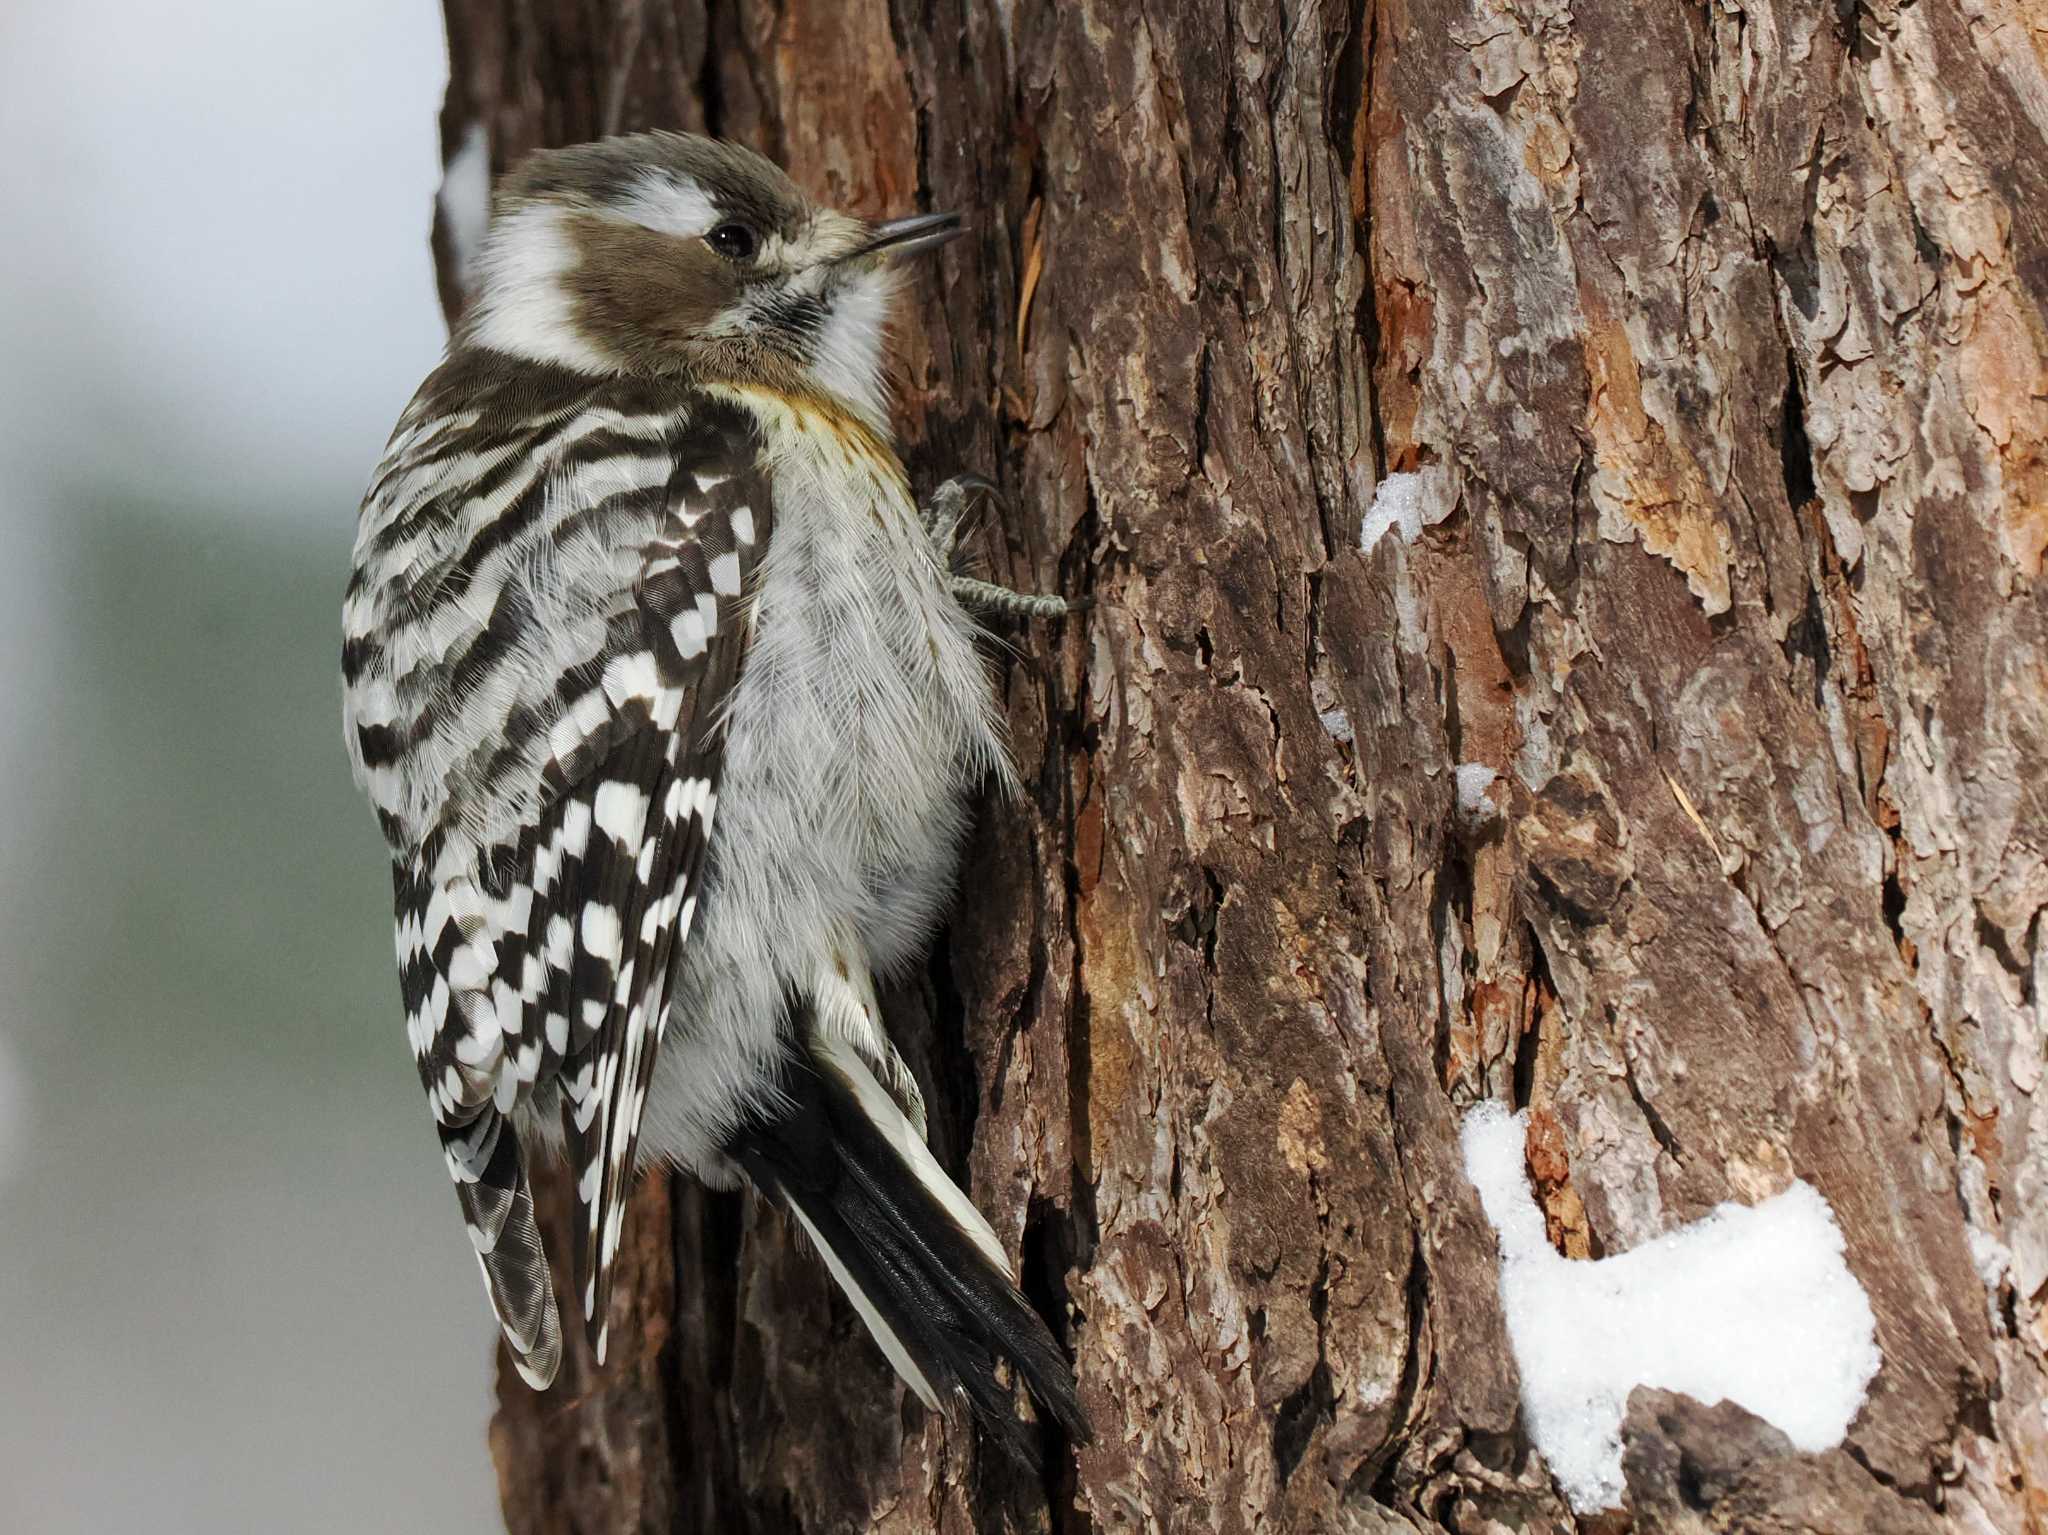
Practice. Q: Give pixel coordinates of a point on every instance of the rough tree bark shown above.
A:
(1716, 331)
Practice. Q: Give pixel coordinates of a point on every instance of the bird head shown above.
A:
(670, 253)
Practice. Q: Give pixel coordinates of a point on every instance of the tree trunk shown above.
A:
(1715, 334)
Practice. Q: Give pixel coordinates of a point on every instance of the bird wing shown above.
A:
(556, 669)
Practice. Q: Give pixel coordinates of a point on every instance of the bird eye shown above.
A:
(735, 242)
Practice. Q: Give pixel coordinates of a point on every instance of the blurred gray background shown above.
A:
(234, 1290)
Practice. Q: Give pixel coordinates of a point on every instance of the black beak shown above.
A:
(920, 232)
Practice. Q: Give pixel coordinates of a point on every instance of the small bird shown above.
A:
(668, 699)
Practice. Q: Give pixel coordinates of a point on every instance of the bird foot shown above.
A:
(951, 507)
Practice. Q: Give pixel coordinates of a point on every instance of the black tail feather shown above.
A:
(927, 1281)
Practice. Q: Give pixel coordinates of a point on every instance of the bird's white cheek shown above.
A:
(849, 359)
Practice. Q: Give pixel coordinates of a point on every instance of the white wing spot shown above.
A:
(620, 809)
(601, 931)
(576, 829)
(690, 633)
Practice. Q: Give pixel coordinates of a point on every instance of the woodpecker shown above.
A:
(668, 700)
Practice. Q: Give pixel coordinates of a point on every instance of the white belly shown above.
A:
(854, 739)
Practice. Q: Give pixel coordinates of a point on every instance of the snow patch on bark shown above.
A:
(1409, 502)
(1752, 1304)
(1474, 803)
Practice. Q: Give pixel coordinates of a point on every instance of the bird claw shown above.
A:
(949, 510)
(944, 515)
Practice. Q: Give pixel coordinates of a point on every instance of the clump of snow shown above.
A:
(1752, 1305)
(1410, 502)
(1992, 1258)
(1397, 503)
(1474, 803)
(466, 201)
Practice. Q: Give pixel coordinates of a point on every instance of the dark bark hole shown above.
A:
(1863, 48)
(1807, 636)
(1553, 895)
(1692, 1491)
(952, 1060)
(1347, 105)
(1452, 903)
(1992, 937)
(1497, 1452)
(1056, 1242)
(1315, 1400)
(1529, 1045)
(1200, 454)
(1794, 449)
(723, 1215)
(1380, 1470)
(698, 1363)
(1196, 926)
(1503, 100)
(1798, 268)
(1894, 905)
(1526, 1050)
(1514, 642)
(1051, 1247)
(1295, 1425)
(711, 84)
(1347, 87)
(1924, 247)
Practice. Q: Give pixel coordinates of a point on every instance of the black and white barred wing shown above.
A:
(574, 725)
